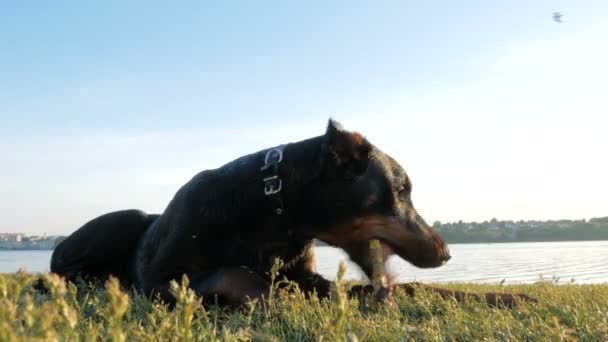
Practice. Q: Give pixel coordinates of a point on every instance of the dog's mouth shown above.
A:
(367, 259)
(428, 252)
(424, 249)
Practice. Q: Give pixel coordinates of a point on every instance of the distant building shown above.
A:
(20, 241)
(11, 237)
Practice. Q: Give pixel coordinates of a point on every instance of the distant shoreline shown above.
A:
(322, 244)
(493, 231)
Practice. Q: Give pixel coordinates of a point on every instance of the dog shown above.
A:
(225, 227)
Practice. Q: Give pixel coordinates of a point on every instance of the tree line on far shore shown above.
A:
(494, 230)
(524, 231)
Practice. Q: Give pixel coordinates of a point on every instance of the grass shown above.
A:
(83, 312)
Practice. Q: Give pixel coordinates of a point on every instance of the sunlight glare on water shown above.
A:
(585, 262)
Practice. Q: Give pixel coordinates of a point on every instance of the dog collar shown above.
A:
(273, 184)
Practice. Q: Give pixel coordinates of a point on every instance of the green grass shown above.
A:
(86, 313)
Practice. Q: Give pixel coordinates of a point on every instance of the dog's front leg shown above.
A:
(226, 286)
(303, 273)
(309, 282)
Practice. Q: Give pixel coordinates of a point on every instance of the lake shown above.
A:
(585, 262)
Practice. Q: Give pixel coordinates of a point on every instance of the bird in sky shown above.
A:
(557, 17)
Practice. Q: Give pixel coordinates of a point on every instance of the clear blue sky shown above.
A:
(494, 109)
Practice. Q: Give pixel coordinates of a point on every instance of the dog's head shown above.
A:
(363, 194)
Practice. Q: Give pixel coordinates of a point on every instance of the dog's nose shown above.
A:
(446, 254)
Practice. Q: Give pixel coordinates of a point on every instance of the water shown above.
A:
(585, 262)
(527, 262)
(32, 261)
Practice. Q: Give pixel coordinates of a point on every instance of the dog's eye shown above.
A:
(401, 193)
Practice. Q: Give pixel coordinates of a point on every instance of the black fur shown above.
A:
(222, 231)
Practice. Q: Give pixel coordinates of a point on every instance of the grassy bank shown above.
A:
(565, 312)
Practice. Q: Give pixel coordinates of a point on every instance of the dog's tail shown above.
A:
(102, 247)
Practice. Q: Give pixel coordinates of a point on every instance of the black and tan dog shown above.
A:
(225, 227)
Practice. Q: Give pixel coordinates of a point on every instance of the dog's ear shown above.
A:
(344, 150)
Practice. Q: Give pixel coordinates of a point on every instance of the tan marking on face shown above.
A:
(407, 244)
(366, 228)
(412, 216)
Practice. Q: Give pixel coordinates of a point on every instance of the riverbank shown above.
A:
(567, 312)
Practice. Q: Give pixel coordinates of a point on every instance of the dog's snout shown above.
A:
(446, 254)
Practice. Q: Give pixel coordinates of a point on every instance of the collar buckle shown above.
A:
(270, 172)
(272, 185)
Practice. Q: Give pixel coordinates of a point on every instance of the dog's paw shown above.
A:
(382, 295)
(360, 291)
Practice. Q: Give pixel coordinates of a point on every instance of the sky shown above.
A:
(494, 109)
